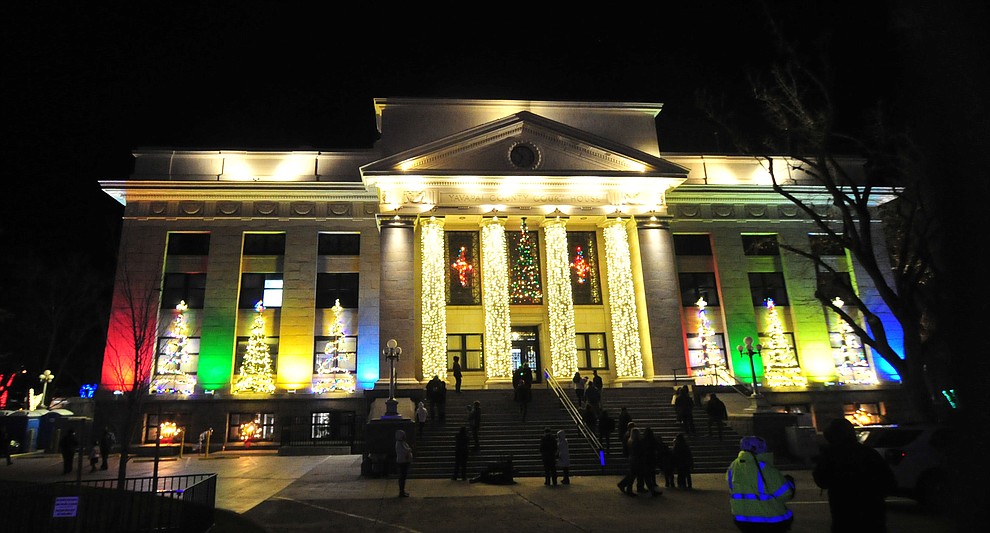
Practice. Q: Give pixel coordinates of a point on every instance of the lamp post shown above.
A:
(756, 401)
(46, 377)
(392, 351)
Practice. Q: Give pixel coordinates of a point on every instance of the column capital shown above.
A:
(654, 221)
(396, 221)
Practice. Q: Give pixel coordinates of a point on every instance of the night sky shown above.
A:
(83, 86)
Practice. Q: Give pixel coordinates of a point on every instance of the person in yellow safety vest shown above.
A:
(758, 492)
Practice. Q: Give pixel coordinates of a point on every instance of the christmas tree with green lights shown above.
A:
(525, 287)
(256, 374)
(169, 377)
(780, 364)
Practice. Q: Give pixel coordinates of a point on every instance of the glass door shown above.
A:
(526, 350)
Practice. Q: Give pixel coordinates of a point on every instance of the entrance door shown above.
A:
(526, 349)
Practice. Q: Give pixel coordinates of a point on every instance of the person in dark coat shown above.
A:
(548, 454)
(606, 425)
(683, 461)
(461, 445)
(684, 407)
(431, 397)
(635, 448)
(441, 394)
(590, 417)
(579, 385)
(457, 374)
(597, 380)
(474, 420)
(523, 395)
(665, 457)
(717, 414)
(650, 448)
(67, 447)
(623, 426)
(593, 396)
(857, 480)
(107, 440)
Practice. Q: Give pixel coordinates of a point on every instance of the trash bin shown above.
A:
(802, 442)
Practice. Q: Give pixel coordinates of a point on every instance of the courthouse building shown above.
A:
(553, 234)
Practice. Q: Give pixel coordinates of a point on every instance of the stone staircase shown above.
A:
(505, 435)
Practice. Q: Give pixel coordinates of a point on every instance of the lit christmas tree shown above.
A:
(711, 353)
(851, 363)
(525, 286)
(580, 266)
(169, 377)
(330, 376)
(255, 374)
(462, 267)
(780, 365)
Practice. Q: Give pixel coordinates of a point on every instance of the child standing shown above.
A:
(94, 456)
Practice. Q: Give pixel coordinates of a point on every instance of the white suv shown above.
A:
(917, 455)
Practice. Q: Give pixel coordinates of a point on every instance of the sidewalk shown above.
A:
(263, 492)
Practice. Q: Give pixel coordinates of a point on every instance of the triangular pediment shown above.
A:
(523, 144)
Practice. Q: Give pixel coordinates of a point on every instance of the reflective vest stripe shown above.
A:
(766, 519)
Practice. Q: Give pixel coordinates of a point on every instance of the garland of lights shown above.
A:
(168, 431)
(169, 377)
(622, 301)
(249, 431)
(560, 302)
(852, 366)
(580, 266)
(780, 365)
(714, 362)
(434, 300)
(495, 284)
(255, 374)
(525, 287)
(462, 267)
(331, 376)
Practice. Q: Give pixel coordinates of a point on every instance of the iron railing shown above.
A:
(339, 429)
(185, 503)
(587, 433)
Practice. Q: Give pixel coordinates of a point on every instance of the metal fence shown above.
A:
(333, 428)
(184, 503)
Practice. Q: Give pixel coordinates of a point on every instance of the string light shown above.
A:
(434, 299)
(851, 363)
(462, 267)
(169, 377)
(560, 302)
(331, 376)
(622, 301)
(168, 431)
(495, 284)
(525, 281)
(256, 369)
(712, 355)
(780, 364)
(580, 266)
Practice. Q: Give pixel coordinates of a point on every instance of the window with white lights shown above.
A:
(241, 349)
(253, 427)
(346, 354)
(266, 288)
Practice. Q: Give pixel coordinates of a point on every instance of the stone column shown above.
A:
(398, 297)
(662, 291)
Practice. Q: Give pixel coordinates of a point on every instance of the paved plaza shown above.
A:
(263, 492)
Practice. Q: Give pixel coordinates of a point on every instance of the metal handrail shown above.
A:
(572, 411)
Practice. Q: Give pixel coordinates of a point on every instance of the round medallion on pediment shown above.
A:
(524, 155)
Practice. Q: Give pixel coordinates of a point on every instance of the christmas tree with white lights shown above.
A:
(780, 364)
(256, 374)
(169, 377)
(711, 353)
(851, 363)
(330, 376)
(525, 286)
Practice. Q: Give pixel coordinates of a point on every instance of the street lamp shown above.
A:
(46, 377)
(392, 351)
(756, 400)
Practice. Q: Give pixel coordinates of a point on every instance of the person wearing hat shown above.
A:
(758, 492)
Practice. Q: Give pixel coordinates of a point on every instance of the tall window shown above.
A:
(191, 363)
(760, 245)
(333, 286)
(340, 244)
(152, 424)
(241, 349)
(264, 287)
(265, 422)
(825, 245)
(832, 284)
(697, 357)
(190, 288)
(691, 244)
(188, 244)
(582, 251)
(264, 244)
(525, 285)
(463, 268)
(467, 346)
(765, 285)
(346, 353)
(591, 351)
(696, 285)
